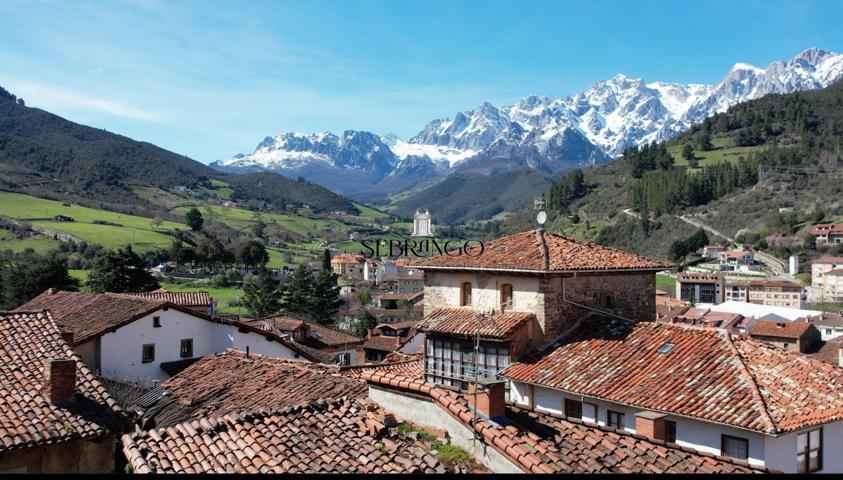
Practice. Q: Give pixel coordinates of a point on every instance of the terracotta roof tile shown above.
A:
(90, 315)
(541, 251)
(318, 437)
(231, 382)
(185, 299)
(769, 328)
(27, 418)
(545, 444)
(755, 386)
(462, 321)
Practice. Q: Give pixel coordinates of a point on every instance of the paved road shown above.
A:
(778, 266)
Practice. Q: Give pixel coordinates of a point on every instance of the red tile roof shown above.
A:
(185, 299)
(348, 258)
(542, 444)
(231, 382)
(282, 323)
(90, 315)
(707, 374)
(829, 260)
(321, 336)
(463, 321)
(769, 328)
(401, 296)
(407, 366)
(27, 418)
(321, 437)
(540, 251)
(775, 283)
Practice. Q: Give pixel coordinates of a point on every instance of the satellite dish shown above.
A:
(541, 217)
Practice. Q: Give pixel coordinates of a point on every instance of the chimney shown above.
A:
(59, 380)
(651, 425)
(491, 398)
(67, 336)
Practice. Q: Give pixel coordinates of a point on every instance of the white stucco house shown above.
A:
(147, 340)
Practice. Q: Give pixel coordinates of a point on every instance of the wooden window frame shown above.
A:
(609, 423)
(569, 405)
(805, 466)
(144, 358)
(723, 439)
(182, 353)
(503, 300)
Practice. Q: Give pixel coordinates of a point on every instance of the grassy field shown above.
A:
(724, 151)
(668, 284)
(39, 243)
(132, 229)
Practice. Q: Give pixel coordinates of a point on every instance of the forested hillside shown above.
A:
(712, 172)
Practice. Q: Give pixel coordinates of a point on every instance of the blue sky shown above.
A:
(211, 79)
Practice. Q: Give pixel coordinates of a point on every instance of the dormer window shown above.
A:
(506, 296)
(465, 294)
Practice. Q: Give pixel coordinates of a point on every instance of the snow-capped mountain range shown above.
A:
(544, 133)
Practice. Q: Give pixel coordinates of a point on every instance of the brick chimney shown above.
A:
(59, 380)
(651, 425)
(491, 398)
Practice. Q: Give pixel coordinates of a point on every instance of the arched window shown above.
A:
(506, 296)
(465, 294)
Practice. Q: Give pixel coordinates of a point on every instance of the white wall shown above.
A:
(701, 436)
(781, 451)
(121, 352)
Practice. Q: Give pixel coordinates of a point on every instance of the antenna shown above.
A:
(539, 204)
(541, 217)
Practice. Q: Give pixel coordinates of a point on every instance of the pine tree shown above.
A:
(363, 321)
(326, 301)
(27, 274)
(296, 296)
(194, 219)
(120, 271)
(261, 295)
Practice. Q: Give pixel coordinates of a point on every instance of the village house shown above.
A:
(696, 287)
(827, 233)
(56, 416)
(398, 307)
(386, 338)
(521, 292)
(713, 251)
(145, 341)
(325, 344)
(761, 404)
(736, 259)
(408, 281)
(829, 324)
(349, 266)
(798, 336)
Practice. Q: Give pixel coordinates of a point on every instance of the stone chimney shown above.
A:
(651, 425)
(59, 380)
(491, 398)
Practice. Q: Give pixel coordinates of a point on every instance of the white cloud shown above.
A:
(57, 99)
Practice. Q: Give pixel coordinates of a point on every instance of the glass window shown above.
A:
(573, 408)
(809, 451)
(186, 348)
(614, 419)
(148, 354)
(734, 447)
(156, 322)
(670, 431)
(466, 294)
(506, 296)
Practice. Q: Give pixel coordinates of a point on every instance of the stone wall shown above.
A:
(77, 456)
